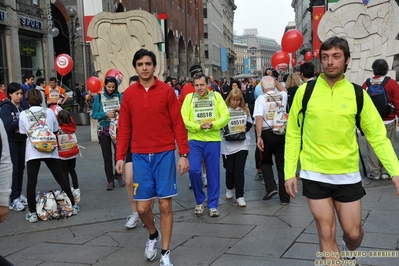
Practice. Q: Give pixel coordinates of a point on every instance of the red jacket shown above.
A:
(392, 89)
(150, 120)
(68, 153)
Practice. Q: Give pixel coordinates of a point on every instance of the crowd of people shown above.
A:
(206, 121)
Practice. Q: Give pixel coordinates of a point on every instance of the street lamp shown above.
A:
(72, 36)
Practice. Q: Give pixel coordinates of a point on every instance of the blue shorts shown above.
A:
(154, 175)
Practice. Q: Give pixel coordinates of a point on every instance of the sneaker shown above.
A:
(258, 176)
(165, 259)
(374, 177)
(385, 176)
(262, 182)
(16, 205)
(284, 203)
(132, 221)
(241, 202)
(151, 248)
(348, 255)
(213, 212)
(111, 185)
(75, 209)
(270, 194)
(229, 193)
(23, 200)
(204, 181)
(31, 217)
(121, 182)
(199, 209)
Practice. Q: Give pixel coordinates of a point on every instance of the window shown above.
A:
(206, 51)
(205, 12)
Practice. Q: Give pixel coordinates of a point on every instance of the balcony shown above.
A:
(30, 10)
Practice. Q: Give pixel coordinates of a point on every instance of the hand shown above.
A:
(288, 186)
(3, 213)
(110, 114)
(259, 143)
(183, 165)
(119, 167)
(395, 180)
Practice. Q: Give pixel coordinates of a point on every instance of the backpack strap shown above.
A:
(385, 81)
(368, 83)
(308, 92)
(359, 103)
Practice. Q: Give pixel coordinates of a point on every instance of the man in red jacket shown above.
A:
(380, 69)
(150, 118)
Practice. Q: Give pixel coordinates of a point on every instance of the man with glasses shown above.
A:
(40, 84)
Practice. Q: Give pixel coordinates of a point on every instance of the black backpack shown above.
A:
(379, 96)
(359, 102)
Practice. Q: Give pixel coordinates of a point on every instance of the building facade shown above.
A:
(258, 55)
(25, 47)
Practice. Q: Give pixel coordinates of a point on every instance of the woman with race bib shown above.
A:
(105, 109)
(235, 145)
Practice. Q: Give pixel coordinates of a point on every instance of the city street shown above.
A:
(263, 233)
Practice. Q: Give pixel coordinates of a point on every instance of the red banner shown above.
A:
(318, 12)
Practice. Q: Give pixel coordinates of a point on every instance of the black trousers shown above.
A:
(274, 146)
(17, 154)
(68, 168)
(106, 144)
(33, 167)
(235, 166)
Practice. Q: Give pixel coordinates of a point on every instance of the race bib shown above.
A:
(110, 104)
(54, 96)
(204, 109)
(238, 122)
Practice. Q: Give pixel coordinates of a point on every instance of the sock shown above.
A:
(163, 251)
(203, 175)
(154, 235)
(135, 214)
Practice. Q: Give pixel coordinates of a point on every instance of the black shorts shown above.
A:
(342, 193)
(128, 158)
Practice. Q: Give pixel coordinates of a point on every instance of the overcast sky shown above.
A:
(270, 17)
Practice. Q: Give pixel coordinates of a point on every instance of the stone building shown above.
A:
(259, 52)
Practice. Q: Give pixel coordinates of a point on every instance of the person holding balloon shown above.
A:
(54, 92)
(105, 108)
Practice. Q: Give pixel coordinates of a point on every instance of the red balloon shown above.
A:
(280, 60)
(93, 84)
(64, 64)
(301, 62)
(293, 62)
(117, 74)
(292, 40)
(316, 53)
(308, 56)
(55, 108)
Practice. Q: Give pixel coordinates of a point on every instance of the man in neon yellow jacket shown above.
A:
(328, 150)
(205, 113)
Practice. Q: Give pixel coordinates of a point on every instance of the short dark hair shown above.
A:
(143, 52)
(297, 68)
(53, 79)
(134, 78)
(40, 81)
(236, 82)
(339, 43)
(28, 76)
(195, 69)
(380, 67)
(112, 80)
(34, 97)
(307, 69)
(13, 87)
(201, 75)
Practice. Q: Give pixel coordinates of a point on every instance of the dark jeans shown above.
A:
(17, 154)
(274, 146)
(33, 167)
(68, 167)
(106, 144)
(235, 166)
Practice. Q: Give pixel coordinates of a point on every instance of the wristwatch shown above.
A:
(184, 155)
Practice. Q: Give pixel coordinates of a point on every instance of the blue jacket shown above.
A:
(10, 115)
(98, 112)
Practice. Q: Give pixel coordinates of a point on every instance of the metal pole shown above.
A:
(73, 77)
(82, 22)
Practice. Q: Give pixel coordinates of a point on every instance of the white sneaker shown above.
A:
(16, 205)
(23, 200)
(241, 202)
(229, 193)
(199, 209)
(348, 255)
(204, 181)
(132, 221)
(385, 176)
(151, 248)
(165, 259)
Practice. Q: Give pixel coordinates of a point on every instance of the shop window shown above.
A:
(3, 60)
(31, 53)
